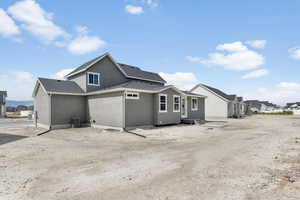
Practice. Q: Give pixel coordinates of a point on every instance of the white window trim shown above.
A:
(194, 109)
(138, 95)
(88, 78)
(176, 96)
(163, 111)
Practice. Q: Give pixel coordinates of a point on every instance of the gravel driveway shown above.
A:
(253, 158)
(15, 122)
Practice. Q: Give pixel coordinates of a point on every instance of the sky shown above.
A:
(248, 48)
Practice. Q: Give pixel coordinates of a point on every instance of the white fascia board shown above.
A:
(38, 82)
(121, 90)
(171, 87)
(200, 85)
(87, 67)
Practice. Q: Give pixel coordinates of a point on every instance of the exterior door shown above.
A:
(183, 107)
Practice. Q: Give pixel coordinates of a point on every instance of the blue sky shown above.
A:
(249, 48)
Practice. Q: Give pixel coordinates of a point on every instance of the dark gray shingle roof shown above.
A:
(138, 85)
(231, 97)
(291, 104)
(136, 72)
(85, 65)
(252, 102)
(240, 99)
(61, 86)
(220, 93)
(131, 71)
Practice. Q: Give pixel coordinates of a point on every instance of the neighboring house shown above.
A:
(3, 95)
(242, 107)
(257, 106)
(218, 103)
(20, 108)
(293, 106)
(269, 106)
(104, 93)
(10, 109)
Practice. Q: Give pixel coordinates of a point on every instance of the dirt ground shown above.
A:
(253, 158)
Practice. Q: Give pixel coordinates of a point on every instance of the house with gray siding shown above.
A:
(108, 94)
(257, 106)
(3, 95)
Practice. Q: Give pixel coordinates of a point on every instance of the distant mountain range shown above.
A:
(17, 103)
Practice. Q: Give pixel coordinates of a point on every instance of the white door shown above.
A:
(183, 107)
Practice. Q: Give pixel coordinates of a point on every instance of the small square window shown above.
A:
(93, 79)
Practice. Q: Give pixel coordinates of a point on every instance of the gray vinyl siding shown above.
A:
(106, 109)
(110, 75)
(140, 112)
(231, 110)
(2, 110)
(42, 106)
(197, 114)
(170, 117)
(2, 99)
(81, 81)
(66, 107)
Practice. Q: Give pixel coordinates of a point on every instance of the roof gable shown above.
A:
(127, 70)
(215, 91)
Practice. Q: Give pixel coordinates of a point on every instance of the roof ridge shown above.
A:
(54, 79)
(85, 64)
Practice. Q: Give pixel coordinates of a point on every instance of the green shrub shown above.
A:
(278, 113)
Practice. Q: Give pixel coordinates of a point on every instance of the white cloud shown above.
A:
(236, 57)
(232, 47)
(295, 53)
(18, 84)
(259, 44)
(82, 30)
(61, 74)
(256, 74)
(36, 20)
(150, 3)
(134, 10)
(83, 43)
(195, 59)
(182, 80)
(244, 60)
(40, 23)
(289, 85)
(60, 43)
(280, 94)
(7, 25)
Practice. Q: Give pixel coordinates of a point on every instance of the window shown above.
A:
(194, 104)
(176, 103)
(132, 95)
(163, 103)
(93, 78)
